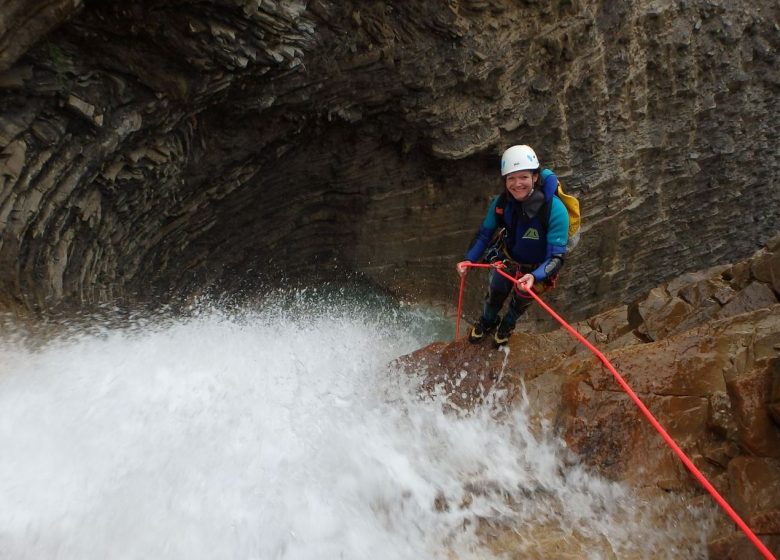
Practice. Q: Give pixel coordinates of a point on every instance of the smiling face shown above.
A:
(520, 184)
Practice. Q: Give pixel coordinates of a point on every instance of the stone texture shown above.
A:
(755, 492)
(714, 387)
(208, 146)
(761, 266)
(749, 394)
(24, 22)
(737, 547)
(755, 296)
(612, 324)
(720, 417)
(696, 298)
(774, 395)
(774, 266)
(666, 319)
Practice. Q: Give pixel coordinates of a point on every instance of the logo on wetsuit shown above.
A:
(531, 233)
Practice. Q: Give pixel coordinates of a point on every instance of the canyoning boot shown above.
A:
(480, 329)
(502, 335)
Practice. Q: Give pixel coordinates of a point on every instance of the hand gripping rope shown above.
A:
(660, 429)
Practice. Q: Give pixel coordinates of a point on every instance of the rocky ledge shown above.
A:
(702, 352)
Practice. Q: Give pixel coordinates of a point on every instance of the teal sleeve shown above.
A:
(557, 237)
(485, 234)
(558, 228)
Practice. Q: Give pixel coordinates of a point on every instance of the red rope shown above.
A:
(460, 306)
(660, 429)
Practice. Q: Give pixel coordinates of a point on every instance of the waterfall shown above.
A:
(284, 432)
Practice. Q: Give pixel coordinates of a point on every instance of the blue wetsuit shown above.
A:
(536, 249)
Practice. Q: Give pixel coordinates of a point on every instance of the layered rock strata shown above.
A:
(702, 352)
(160, 148)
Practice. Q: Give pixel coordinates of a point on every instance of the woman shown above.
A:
(533, 245)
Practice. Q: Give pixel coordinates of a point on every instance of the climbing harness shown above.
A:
(498, 266)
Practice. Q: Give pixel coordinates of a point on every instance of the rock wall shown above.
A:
(158, 149)
(702, 352)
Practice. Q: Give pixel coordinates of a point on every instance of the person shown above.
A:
(531, 247)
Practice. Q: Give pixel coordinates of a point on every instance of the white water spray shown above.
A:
(285, 435)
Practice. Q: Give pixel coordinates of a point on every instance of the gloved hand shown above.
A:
(462, 268)
(526, 282)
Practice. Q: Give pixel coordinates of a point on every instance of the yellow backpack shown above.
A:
(573, 207)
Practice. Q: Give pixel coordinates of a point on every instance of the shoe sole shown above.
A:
(500, 341)
(475, 340)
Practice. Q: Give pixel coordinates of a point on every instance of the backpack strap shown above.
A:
(500, 206)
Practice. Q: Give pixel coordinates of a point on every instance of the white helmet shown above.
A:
(518, 158)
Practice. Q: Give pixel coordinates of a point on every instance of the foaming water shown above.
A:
(283, 434)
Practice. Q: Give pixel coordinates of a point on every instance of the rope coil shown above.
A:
(653, 421)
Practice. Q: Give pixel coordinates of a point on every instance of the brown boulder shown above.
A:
(710, 290)
(755, 296)
(612, 323)
(749, 393)
(738, 276)
(660, 322)
(737, 547)
(761, 266)
(755, 492)
(544, 398)
(720, 418)
(774, 393)
(685, 365)
(719, 452)
(466, 372)
(706, 297)
(676, 285)
(607, 431)
(774, 267)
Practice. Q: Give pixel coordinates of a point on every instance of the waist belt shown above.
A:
(518, 269)
(515, 265)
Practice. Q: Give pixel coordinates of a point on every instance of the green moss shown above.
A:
(54, 54)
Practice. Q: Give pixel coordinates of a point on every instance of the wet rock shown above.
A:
(364, 138)
(738, 276)
(544, 395)
(652, 303)
(85, 109)
(749, 395)
(755, 296)
(715, 389)
(736, 547)
(761, 266)
(755, 492)
(774, 272)
(688, 364)
(24, 22)
(607, 431)
(719, 453)
(660, 324)
(774, 395)
(612, 324)
(701, 293)
(720, 417)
